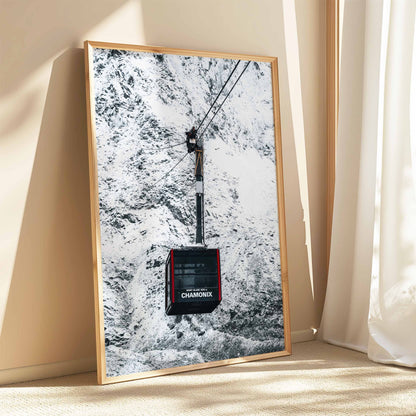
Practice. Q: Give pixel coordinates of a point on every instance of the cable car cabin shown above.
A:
(193, 281)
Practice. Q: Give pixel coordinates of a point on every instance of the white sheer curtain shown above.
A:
(370, 303)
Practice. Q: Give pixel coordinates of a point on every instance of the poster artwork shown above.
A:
(188, 205)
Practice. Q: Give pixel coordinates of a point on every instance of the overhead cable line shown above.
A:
(229, 92)
(173, 145)
(216, 112)
(170, 170)
(218, 95)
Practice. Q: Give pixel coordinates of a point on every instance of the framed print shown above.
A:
(187, 209)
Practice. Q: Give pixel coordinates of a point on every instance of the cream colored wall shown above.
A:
(46, 290)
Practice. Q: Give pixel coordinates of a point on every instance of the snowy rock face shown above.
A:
(144, 104)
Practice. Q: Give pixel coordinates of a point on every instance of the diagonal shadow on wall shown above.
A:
(36, 31)
(52, 274)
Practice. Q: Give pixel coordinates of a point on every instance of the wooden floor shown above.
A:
(317, 379)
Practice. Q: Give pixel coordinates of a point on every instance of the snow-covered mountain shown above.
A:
(144, 104)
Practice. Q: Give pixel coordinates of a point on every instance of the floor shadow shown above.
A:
(52, 274)
(351, 384)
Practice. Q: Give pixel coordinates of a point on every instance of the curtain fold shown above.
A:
(371, 295)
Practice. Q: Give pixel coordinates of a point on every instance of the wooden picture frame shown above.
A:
(332, 100)
(106, 375)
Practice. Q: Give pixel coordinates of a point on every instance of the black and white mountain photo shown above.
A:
(145, 103)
